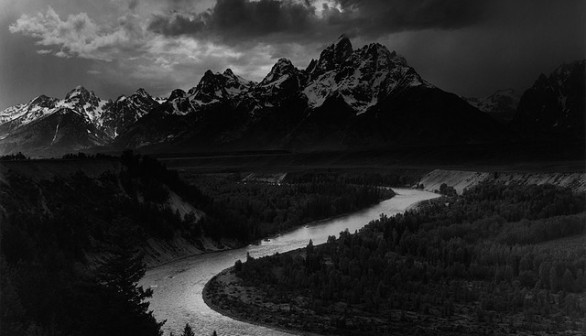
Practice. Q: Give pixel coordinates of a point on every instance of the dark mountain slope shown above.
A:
(554, 107)
(61, 132)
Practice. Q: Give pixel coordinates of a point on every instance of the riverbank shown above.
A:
(389, 280)
(210, 297)
(158, 253)
(464, 179)
(178, 285)
(226, 294)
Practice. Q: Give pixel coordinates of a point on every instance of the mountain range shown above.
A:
(501, 105)
(346, 99)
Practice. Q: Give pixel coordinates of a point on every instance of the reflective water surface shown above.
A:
(178, 285)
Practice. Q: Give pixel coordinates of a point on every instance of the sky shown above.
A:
(114, 47)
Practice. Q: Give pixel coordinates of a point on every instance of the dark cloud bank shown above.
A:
(468, 47)
(233, 21)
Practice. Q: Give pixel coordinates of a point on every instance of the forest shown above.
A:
(53, 229)
(256, 210)
(498, 259)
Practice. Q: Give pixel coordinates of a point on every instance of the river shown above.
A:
(178, 285)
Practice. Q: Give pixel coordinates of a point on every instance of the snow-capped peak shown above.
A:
(229, 72)
(22, 114)
(13, 112)
(44, 101)
(342, 48)
(280, 70)
(220, 85)
(84, 102)
(79, 93)
(332, 57)
(105, 115)
(216, 87)
(361, 77)
(143, 93)
(177, 93)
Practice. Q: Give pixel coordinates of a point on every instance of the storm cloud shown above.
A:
(468, 47)
(235, 20)
(376, 17)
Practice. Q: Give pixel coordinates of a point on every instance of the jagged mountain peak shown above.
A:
(343, 38)
(501, 105)
(331, 57)
(44, 101)
(208, 74)
(343, 47)
(311, 66)
(280, 72)
(565, 69)
(555, 104)
(214, 86)
(177, 93)
(84, 102)
(217, 80)
(282, 65)
(139, 95)
(143, 93)
(288, 104)
(125, 111)
(361, 77)
(381, 56)
(80, 92)
(229, 72)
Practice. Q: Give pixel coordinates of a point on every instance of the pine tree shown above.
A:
(128, 312)
(188, 331)
(568, 281)
(554, 280)
(309, 247)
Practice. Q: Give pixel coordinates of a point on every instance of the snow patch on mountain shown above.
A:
(102, 114)
(12, 112)
(361, 77)
(216, 87)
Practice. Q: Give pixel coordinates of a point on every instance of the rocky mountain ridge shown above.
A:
(501, 105)
(346, 99)
(555, 105)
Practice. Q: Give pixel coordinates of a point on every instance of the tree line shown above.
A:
(53, 229)
(250, 211)
(493, 254)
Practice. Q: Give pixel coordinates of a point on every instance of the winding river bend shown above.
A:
(178, 285)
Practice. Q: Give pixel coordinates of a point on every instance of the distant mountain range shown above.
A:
(501, 105)
(347, 99)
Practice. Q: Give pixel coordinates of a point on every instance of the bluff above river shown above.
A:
(461, 180)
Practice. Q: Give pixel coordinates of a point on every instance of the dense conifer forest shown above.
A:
(70, 258)
(256, 210)
(508, 259)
